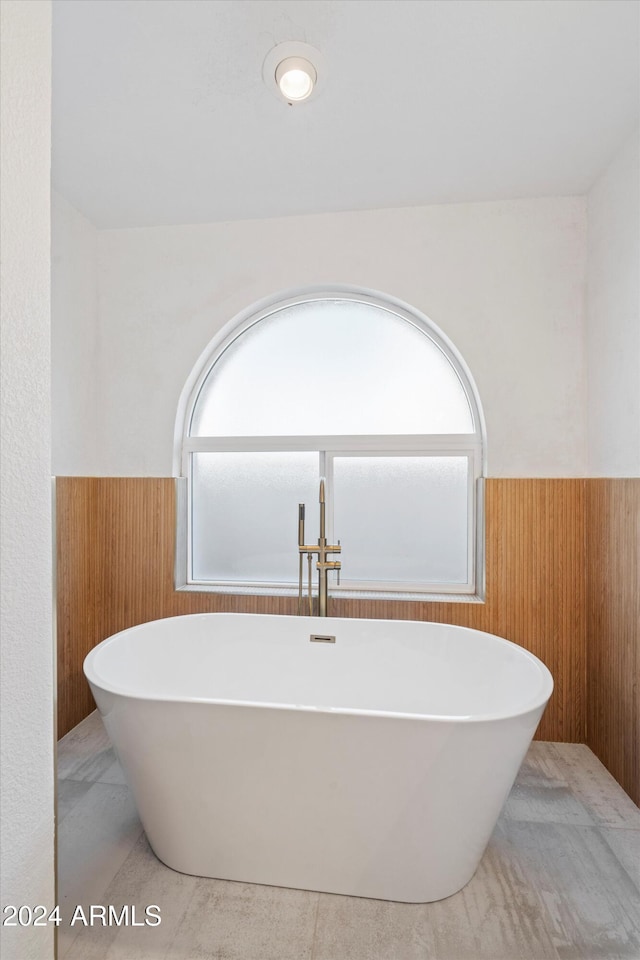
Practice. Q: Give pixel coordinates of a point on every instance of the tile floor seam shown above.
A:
(635, 882)
(315, 928)
(108, 783)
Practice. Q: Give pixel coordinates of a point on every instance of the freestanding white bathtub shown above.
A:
(375, 766)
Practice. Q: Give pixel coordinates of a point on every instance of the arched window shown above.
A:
(356, 388)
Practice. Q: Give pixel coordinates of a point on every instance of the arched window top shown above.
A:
(333, 364)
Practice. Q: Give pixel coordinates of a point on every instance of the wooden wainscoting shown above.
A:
(115, 554)
(613, 627)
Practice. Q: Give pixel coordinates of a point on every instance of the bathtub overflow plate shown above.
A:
(321, 638)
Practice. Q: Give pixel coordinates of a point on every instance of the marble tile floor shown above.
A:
(560, 880)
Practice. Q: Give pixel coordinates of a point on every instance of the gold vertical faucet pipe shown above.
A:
(300, 554)
(322, 506)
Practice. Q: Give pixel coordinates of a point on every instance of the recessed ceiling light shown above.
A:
(296, 78)
(290, 71)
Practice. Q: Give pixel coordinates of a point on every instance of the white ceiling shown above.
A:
(161, 116)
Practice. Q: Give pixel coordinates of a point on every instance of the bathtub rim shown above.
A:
(528, 706)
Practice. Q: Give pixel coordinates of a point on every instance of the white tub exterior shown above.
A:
(375, 766)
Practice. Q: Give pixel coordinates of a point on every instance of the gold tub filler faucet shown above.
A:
(323, 565)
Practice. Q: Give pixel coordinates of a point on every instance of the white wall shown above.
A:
(505, 281)
(613, 317)
(75, 379)
(26, 678)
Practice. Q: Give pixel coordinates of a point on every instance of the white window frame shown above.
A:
(469, 445)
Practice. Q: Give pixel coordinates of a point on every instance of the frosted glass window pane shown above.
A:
(245, 514)
(402, 518)
(331, 367)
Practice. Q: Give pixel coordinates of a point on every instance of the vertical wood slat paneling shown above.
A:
(613, 627)
(78, 589)
(116, 540)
